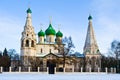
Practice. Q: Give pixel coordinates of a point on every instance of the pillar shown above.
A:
(98, 69)
(89, 69)
(55, 70)
(106, 70)
(1, 69)
(114, 70)
(28, 69)
(38, 69)
(111, 70)
(64, 69)
(9, 69)
(47, 69)
(73, 68)
(19, 69)
(81, 69)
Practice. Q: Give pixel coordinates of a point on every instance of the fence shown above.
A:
(56, 70)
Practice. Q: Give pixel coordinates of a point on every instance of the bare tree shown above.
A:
(115, 47)
(14, 57)
(1, 58)
(68, 46)
(64, 48)
(12, 53)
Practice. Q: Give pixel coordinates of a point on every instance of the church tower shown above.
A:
(91, 50)
(28, 41)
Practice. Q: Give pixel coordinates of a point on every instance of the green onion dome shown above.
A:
(50, 30)
(29, 10)
(90, 17)
(41, 33)
(59, 34)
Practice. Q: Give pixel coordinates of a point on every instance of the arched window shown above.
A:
(93, 58)
(41, 62)
(87, 59)
(90, 62)
(40, 39)
(59, 40)
(50, 39)
(27, 43)
(58, 50)
(50, 51)
(32, 43)
(41, 50)
(22, 43)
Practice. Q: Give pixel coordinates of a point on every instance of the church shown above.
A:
(46, 48)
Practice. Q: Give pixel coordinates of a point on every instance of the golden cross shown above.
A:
(59, 26)
(50, 19)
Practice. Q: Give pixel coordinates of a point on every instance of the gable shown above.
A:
(51, 56)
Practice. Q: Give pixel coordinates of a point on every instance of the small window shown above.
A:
(41, 50)
(22, 43)
(50, 39)
(27, 34)
(58, 51)
(41, 62)
(32, 44)
(40, 39)
(27, 43)
(44, 40)
(90, 62)
(50, 51)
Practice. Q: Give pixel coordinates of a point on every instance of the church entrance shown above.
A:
(51, 64)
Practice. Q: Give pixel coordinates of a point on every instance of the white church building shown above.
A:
(40, 50)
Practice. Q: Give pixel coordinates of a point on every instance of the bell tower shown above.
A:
(28, 41)
(91, 50)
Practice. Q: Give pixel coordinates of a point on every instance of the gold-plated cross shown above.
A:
(41, 25)
(29, 4)
(59, 26)
(50, 19)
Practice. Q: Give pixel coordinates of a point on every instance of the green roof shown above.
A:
(41, 33)
(50, 30)
(29, 10)
(59, 34)
(90, 17)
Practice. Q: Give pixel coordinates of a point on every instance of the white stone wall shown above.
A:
(45, 48)
(41, 39)
(50, 38)
(28, 52)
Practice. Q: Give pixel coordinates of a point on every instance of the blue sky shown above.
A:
(71, 14)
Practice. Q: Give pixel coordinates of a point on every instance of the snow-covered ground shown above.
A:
(59, 76)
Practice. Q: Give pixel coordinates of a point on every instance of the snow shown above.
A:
(59, 76)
